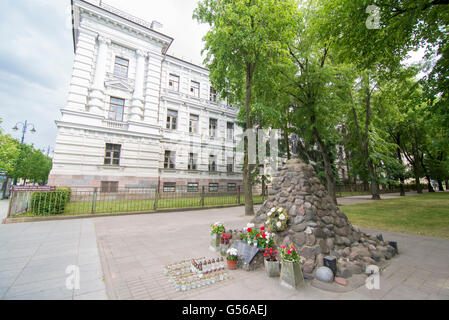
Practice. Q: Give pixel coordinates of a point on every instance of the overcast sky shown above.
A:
(36, 56)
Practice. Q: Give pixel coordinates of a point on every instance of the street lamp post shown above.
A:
(25, 127)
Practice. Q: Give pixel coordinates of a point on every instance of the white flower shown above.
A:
(267, 222)
(269, 213)
(278, 224)
(282, 217)
(250, 225)
(273, 210)
(272, 235)
(218, 224)
(232, 251)
(280, 210)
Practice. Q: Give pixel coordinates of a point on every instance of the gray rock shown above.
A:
(299, 227)
(324, 274)
(299, 220)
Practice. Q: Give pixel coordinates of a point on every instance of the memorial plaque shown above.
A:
(246, 252)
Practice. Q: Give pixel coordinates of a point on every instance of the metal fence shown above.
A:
(81, 201)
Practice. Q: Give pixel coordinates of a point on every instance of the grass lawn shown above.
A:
(426, 214)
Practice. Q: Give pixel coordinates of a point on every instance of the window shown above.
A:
(169, 186)
(172, 117)
(116, 108)
(232, 187)
(195, 89)
(173, 82)
(112, 154)
(169, 159)
(192, 187)
(212, 128)
(212, 163)
(121, 67)
(193, 123)
(230, 164)
(192, 162)
(230, 131)
(109, 186)
(213, 187)
(213, 94)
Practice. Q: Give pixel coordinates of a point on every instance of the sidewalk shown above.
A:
(34, 258)
(135, 249)
(4, 204)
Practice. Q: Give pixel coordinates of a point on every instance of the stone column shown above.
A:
(138, 98)
(96, 102)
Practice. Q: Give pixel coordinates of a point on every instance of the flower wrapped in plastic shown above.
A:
(217, 228)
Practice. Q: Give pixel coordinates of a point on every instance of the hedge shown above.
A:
(50, 203)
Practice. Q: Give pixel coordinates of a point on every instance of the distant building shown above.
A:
(135, 116)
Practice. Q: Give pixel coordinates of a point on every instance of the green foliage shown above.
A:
(9, 152)
(50, 203)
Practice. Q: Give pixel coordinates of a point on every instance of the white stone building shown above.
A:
(137, 117)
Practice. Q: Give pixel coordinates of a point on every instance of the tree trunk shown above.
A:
(287, 144)
(263, 186)
(374, 186)
(418, 183)
(440, 185)
(401, 177)
(429, 184)
(331, 187)
(249, 208)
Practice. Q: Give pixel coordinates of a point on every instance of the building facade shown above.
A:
(137, 117)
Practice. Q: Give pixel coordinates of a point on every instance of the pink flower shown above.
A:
(289, 252)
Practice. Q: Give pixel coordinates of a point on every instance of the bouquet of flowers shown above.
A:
(225, 238)
(277, 219)
(232, 254)
(270, 254)
(260, 237)
(217, 228)
(289, 253)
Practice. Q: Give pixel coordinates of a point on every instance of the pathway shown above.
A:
(134, 250)
(34, 258)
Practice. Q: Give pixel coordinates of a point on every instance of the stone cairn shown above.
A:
(317, 227)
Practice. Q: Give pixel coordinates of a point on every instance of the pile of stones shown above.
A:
(317, 227)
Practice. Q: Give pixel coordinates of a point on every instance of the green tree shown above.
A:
(9, 152)
(246, 45)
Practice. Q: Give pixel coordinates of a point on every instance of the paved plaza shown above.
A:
(34, 258)
(134, 249)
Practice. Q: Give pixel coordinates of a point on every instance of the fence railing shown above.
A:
(93, 201)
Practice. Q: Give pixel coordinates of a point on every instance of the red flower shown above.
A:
(249, 230)
(264, 235)
(265, 254)
(262, 228)
(289, 252)
(257, 235)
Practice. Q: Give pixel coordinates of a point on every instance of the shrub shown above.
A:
(50, 203)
